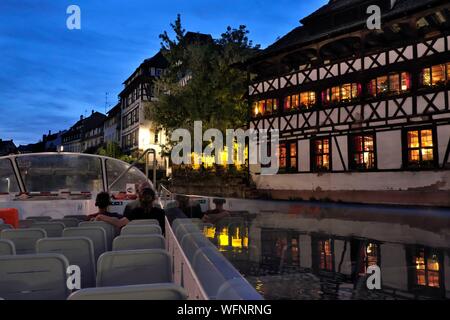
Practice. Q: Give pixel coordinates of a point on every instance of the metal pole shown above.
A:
(131, 166)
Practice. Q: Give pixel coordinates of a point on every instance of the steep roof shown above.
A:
(7, 147)
(337, 17)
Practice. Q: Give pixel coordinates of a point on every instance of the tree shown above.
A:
(216, 90)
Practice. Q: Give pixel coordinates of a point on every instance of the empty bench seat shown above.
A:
(68, 222)
(109, 229)
(159, 291)
(7, 247)
(24, 239)
(144, 221)
(33, 277)
(78, 251)
(136, 242)
(120, 268)
(96, 234)
(53, 229)
(141, 229)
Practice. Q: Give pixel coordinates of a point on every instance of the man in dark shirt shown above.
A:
(144, 210)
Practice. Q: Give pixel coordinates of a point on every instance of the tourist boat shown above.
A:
(51, 191)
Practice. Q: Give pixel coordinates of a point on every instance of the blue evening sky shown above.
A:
(50, 75)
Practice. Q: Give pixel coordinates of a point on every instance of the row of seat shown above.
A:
(101, 233)
(137, 268)
(43, 275)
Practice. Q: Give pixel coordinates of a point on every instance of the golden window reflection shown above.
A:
(427, 268)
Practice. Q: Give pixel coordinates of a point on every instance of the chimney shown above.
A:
(81, 117)
(92, 112)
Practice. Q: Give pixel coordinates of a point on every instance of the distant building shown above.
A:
(112, 127)
(86, 135)
(137, 132)
(53, 142)
(32, 147)
(7, 147)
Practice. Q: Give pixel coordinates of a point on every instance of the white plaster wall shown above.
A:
(389, 151)
(368, 181)
(443, 135)
(346, 267)
(303, 155)
(336, 159)
(305, 251)
(394, 272)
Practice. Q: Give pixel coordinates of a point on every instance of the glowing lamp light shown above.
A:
(224, 240)
(209, 232)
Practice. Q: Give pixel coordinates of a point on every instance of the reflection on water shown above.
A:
(324, 253)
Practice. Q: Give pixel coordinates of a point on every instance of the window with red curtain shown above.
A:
(326, 254)
(435, 75)
(391, 84)
(427, 268)
(321, 154)
(287, 154)
(362, 149)
(343, 93)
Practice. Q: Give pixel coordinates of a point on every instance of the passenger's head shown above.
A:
(183, 201)
(219, 203)
(147, 196)
(103, 200)
(141, 187)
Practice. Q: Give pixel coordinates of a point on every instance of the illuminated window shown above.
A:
(287, 154)
(344, 93)
(326, 255)
(304, 100)
(362, 148)
(265, 107)
(427, 268)
(369, 256)
(321, 154)
(435, 75)
(420, 148)
(392, 84)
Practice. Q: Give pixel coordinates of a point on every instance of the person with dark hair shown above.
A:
(102, 202)
(143, 210)
(213, 216)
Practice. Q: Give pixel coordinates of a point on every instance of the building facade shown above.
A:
(137, 132)
(86, 135)
(112, 130)
(364, 115)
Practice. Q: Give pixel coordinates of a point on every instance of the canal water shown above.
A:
(324, 251)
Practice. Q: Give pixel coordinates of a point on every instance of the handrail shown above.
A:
(163, 188)
(146, 152)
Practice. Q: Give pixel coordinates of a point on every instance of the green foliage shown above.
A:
(216, 90)
(111, 149)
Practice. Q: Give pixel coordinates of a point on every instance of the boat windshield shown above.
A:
(54, 173)
(8, 181)
(115, 168)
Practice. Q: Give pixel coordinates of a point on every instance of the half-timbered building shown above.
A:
(363, 113)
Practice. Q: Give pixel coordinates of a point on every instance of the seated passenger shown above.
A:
(213, 216)
(191, 211)
(140, 211)
(102, 202)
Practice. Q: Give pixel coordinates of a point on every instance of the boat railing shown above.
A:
(183, 273)
(199, 266)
